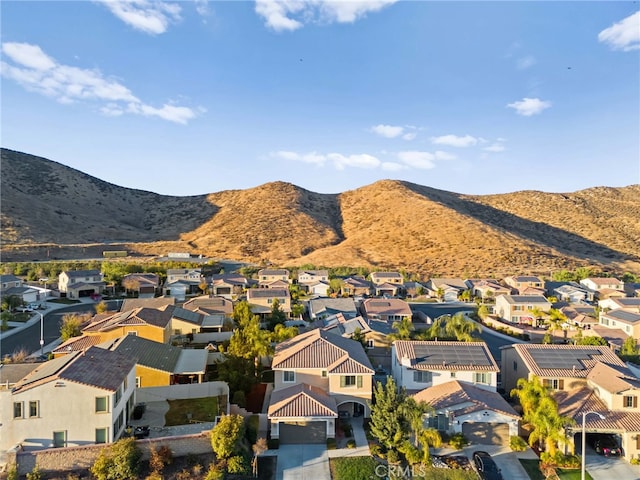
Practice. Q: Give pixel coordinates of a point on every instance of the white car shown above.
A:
(24, 309)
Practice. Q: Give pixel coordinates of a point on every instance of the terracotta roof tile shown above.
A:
(302, 400)
(573, 403)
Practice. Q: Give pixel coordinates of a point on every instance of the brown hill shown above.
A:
(389, 224)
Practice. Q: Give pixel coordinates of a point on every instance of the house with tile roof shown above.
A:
(157, 302)
(160, 364)
(261, 300)
(317, 375)
(386, 310)
(482, 416)
(270, 275)
(487, 288)
(228, 285)
(521, 282)
(628, 320)
(80, 283)
(355, 287)
(601, 283)
(151, 323)
(307, 277)
(379, 278)
(210, 305)
(320, 308)
(519, 308)
(628, 303)
(447, 289)
(417, 365)
(69, 401)
(571, 292)
(582, 379)
(146, 285)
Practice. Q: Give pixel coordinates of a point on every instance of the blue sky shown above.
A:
(192, 97)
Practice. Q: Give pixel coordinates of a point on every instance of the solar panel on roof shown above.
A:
(451, 354)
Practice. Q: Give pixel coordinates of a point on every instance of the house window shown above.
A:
(17, 410)
(132, 332)
(101, 435)
(453, 374)
(138, 382)
(483, 377)
(117, 396)
(554, 383)
(288, 376)
(117, 425)
(351, 381)
(422, 377)
(440, 422)
(102, 405)
(59, 439)
(34, 409)
(370, 344)
(630, 401)
(515, 366)
(324, 374)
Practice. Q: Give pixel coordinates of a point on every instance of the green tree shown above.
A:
(297, 310)
(428, 437)
(277, 314)
(629, 347)
(590, 340)
(335, 284)
(483, 311)
(11, 302)
(226, 436)
(70, 327)
(282, 333)
(120, 461)
(402, 329)
(358, 336)
(101, 307)
(461, 328)
(413, 412)
(386, 416)
(5, 317)
(465, 295)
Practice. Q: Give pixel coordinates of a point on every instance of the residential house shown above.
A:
(345, 327)
(160, 364)
(482, 416)
(183, 281)
(417, 365)
(210, 305)
(628, 303)
(355, 287)
(379, 278)
(583, 379)
(78, 399)
(320, 308)
(446, 289)
(581, 317)
(228, 285)
(520, 308)
(156, 302)
(150, 323)
(387, 310)
(320, 289)
(270, 275)
(317, 375)
(603, 283)
(188, 322)
(276, 285)
(80, 283)
(571, 293)
(523, 282)
(261, 300)
(307, 277)
(632, 289)
(414, 289)
(146, 285)
(486, 288)
(625, 319)
(9, 281)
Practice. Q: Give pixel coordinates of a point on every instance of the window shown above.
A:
(483, 377)
(554, 383)
(351, 381)
(117, 396)
(17, 410)
(515, 366)
(102, 405)
(59, 439)
(324, 374)
(630, 401)
(117, 425)
(138, 382)
(132, 332)
(288, 376)
(370, 344)
(453, 374)
(101, 435)
(422, 377)
(125, 384)
(34, 410)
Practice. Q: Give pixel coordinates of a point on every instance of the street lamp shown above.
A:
(41, 333)
(584, 438)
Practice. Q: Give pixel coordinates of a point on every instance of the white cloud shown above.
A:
(423, 160)
(455, 141)
(624, 35)
(387, 131)
(529, 106)
(526, 62)
(202, 7)
(278, 13)
(37, 72)
(362, 160)
(495, 147)
(409, 136)
(149, 16)
(393, 166)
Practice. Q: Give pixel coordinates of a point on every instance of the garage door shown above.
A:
(486, 433)
(303, 432)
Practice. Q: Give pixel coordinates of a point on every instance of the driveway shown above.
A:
(607, 468)
(298, 462)
(505, 459)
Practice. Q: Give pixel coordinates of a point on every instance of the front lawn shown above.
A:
(533, 470)
(366, 468)
(353, 468)
(190, 410)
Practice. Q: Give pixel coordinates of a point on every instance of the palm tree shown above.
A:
(461, 328)
(538, 314)
(413, 412)
(429, 437)
(529, 393)
(403, 329)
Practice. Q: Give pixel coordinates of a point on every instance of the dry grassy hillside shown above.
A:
(388, 224)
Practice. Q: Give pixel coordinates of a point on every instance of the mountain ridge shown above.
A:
(387, 224)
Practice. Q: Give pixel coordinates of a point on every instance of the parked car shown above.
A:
(485, 466)
(24, 309)
(607, 445)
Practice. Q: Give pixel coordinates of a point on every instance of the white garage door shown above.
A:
(303, 432)
(486, 433)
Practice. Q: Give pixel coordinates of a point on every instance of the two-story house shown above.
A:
(10, 285)
(151, 323)
(78, 399)
(183, 281)
(582, 378)
(267, 276)
(520, 309)
(317, 375)
(228, 285)
(486, 288)
(459, 380)
(387, 283)
(602, 283)
(446, 289)
(308, 277)
(80, 283)
(624, 319)
(521, 283)
(261, 300)
(210, 305)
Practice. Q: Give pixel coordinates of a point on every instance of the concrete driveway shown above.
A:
(506, 460)
(298, 462)
(607, 468)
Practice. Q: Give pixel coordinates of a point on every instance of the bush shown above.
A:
(237, 464)
(34, 474)
(351, 444)
(517, 443)
(251, 432)
(560, 460)
(458, 441)
(635, 461)
(120, 461)
(159, 457)
(12, 474)
(376, 451)
(392, 456)
(239, 398)
(214, 473)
